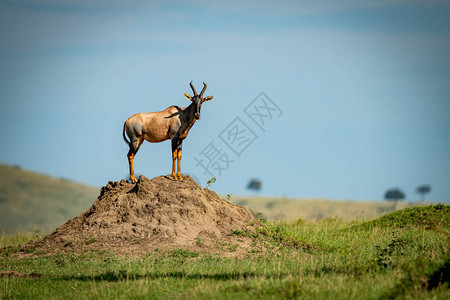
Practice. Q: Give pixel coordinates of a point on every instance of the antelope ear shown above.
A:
(188, 96)
(207, 98)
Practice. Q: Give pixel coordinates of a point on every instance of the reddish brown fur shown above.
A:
(172, 123)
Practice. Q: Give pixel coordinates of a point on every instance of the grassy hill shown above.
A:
(30, 201)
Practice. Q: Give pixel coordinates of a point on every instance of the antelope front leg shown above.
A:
(179, 169)
(174, 158)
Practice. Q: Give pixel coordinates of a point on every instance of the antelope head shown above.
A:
(197, 100)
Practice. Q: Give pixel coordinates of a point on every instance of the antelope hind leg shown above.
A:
(134, 148)
(130, 163)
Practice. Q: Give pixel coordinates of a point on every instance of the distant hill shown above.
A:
(30, 201)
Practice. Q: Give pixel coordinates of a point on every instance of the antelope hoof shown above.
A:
(180, 178)
(133, 179)
(174, 176)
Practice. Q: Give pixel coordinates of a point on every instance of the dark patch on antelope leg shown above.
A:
(179, 147)
(134, 147)
(130, 156)
(174, 155)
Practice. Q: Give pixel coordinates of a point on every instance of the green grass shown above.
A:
(31, 201)
(325, 259)
(430, 216)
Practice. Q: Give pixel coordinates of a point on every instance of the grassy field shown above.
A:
(397, 255)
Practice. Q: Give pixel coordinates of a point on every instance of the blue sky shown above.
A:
(363, 87)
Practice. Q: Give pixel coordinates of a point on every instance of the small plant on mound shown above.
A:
(210, 182)
(199, 242)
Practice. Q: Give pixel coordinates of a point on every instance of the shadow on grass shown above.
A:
(114, 276)
(123, 275)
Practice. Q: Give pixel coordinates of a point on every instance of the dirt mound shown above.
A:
(152, 214)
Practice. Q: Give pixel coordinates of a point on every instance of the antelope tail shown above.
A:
(125, 137)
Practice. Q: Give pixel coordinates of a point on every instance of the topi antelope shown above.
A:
(172, 123)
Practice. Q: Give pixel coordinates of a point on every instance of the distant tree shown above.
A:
(423, 190)
(394, 195)
(254, 184)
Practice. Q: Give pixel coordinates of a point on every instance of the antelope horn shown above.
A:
(193, 88)
(203, 90)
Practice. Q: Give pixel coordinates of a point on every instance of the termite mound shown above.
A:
(157, 214)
